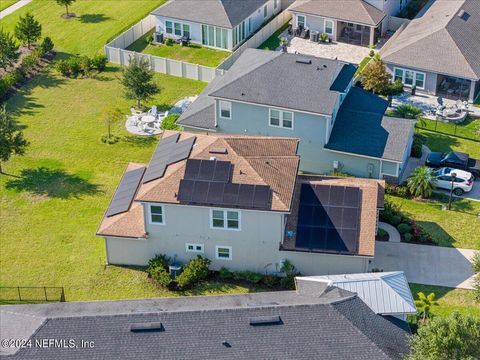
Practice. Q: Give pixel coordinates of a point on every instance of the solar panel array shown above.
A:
(208, 170)
(226, 194)
(328, 218)
(125, 192)
(168, 152)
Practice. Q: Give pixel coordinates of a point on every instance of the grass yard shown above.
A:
(457, 228)
(273, 42)
(449, 300)
(6, 3)
(56, 195)
(442, 142)
(469, 129)
(95, 23)
(194, 53)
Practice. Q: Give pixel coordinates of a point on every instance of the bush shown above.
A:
(195, 271)
(270, 281)
(99, 62)
(476, 262)
(169, 123)
(407, 111)
(381, 232)
(161, 276)
(112, 139)
(408, 237)
(323, 37)
(396, 220)
(169, 42)
(63, 67)
(371, 53)
(403, 228)
(225, 274)
(397, 190)
(249, 276)
(288, 282)
(47, 45)
(476, 287)
(7, 82)
(149, 38)
(158, 261)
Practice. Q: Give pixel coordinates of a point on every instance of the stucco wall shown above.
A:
(430, 79)
(195, 28)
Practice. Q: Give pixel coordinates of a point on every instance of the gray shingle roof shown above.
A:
(441, 41)
(278, 79)
(335, 325)
(224, 13)
(370, 133)
(358, 11)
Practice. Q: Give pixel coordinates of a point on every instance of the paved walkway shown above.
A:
(424, 264)
(413, 163)
(394, 235)
(13, 8)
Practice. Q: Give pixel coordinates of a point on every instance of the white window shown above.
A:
(225, 219)
(157, 214)
(410, 77)
(198, 248)
(329, 27)
(225, 109)
(169, 27)
(279, 118)
(178, 29)
(223, 252)
(300, 21)
(265, 11)
(186, 30)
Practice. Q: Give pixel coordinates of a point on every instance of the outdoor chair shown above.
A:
(153, 111)
(162, 116)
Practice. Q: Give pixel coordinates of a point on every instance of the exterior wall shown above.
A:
(430, 79)
(389, 168)
(389, 7)
(195, 28)
(325, 264)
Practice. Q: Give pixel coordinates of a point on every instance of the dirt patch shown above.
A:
(68, 16)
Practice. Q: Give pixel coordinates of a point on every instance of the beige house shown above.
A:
(238, 201)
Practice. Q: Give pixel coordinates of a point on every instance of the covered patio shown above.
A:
(453, 88)
(357, 34)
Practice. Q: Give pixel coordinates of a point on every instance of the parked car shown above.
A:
(463, 180)
(456, 160)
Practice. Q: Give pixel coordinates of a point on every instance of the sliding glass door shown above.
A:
(215, 36)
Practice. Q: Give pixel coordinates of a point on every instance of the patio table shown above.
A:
(148, 119)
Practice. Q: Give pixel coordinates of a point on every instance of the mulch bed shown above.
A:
(385, 237)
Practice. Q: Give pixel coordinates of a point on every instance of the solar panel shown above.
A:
(328, 218)
(223, 170)
(168, 152)
(122, 200)
(245, 195)
(185, 190)
(262, 196)
(208, 170)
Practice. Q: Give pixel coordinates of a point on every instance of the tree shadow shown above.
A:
(93, 18)
(440, 236)
(439, 142)
(53, 183)
(140, 141)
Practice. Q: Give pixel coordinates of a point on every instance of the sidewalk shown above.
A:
(13, 8)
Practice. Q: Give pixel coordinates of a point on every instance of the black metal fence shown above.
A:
(466, 130)
(31, 294)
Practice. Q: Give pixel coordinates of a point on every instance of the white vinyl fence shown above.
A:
(116, 53)
(258, 38)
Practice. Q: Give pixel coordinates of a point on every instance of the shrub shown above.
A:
(396, 220)
(168, 42)
(476, 287)
(390, 210)
(270, 281)
(381, 232)
(249, 276)
(110, 139)
(75, 65)
(47, 45)
(63, 67)
(476, 262)
(196, 270)
(29, 62)
(149, 38)
(407, 111)
(169, 123)
(397, 190)
(425, 237)
(158, 261)
(323, 37)
(160, 275)
(408, 237)
(225, 274)
(403, 228)
(7, 82)
(99, 62)
(371, 53)
(288, 282)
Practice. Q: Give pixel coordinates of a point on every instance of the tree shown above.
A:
(137, 81)
(424, 304)
(111, 116)
(11, 138)
(65, 3)
(8, 50)
(447, 338)
(375, 77)
(422, 182)
(28, 30)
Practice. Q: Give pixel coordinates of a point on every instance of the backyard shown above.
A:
(468, 129)
(193, 53)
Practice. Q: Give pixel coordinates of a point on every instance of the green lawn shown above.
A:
(95, 23)
(194, 53)
(455, 228)
(442, 142)
(51, 212)
(469, 129)
(449, 300)
(273, 42)
(6, 3)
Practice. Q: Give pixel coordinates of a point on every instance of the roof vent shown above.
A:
(147, 327)
(266, 320)
(218, 151)
(304, 61)
(213, 158)
(324, 66)
(226, 344)
(462, 14)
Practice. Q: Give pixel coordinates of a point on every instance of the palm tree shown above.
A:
(424, 304)
(422, 182)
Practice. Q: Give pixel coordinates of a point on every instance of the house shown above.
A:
(385, 293)
(341, 127)
(221, 24)
(439, 52)
(358, 22)
(313, 322)
(238, 201)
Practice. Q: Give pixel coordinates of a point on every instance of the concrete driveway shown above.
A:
(424, 264)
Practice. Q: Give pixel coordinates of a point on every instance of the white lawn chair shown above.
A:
(163, 115)
(153, 111)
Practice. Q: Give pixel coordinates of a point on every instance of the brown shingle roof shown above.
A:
(370, 191)
(256, 161)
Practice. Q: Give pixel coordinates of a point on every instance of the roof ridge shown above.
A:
(225, 11)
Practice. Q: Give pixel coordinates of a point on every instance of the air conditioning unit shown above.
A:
(335, 164)
(158, 38)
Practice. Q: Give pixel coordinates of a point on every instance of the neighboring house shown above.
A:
(314, 322)
(439, 52)
(222, 24)
(238, 201)
(386, 293)
(359, 22)
(340, 127)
